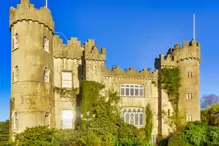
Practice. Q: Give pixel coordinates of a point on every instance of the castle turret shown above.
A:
(188, 60)
(94, 61)
(32, 66)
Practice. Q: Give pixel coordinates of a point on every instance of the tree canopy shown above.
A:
(4, 132)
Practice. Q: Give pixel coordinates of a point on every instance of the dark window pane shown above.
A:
(136, 119)
(132, 119)
(136, 92)
(132, 91)
(127, 118)
(122, 91)
(141, 92)
(127, 91)
(141, 119)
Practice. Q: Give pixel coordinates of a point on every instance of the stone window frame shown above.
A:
(189, 118)
(47, 119)
(189, 96)
(46, 44)
(129, 115)
(16, 74)
(46, 74)
(70, 81)
(189, 74)
(68, 120)
(154, 138)
(15, 41)
(15, 121)
(130, 90)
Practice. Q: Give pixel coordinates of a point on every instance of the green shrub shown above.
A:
(36, 136)
(177, 141)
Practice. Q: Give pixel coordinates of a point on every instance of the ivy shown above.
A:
(170, 79)
(70, 93)
(12, 104)
(149, 122)
(154, 83)
(89, 93)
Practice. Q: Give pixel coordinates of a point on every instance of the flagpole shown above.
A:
(194, 27)
(46, 3)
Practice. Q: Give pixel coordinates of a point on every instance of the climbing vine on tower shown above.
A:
(170, 79)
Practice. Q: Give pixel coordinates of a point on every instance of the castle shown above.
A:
(40, 62)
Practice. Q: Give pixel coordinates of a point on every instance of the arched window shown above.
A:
(15, 121)
(46, 75)
(16, 73)
(46, 44)
(47, 119)
(133, 116)
(132, 119)
(16, 41)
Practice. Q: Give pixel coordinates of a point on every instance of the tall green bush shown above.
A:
(149, 122)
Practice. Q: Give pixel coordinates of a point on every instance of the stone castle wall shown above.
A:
(87, 62)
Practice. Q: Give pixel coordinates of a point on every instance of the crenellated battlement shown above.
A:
(189, 50)
(74, 49)
(130, 73)
(27, 12)
(93, 53)
(167, 61)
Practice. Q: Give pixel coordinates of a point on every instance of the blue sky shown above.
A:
(134, 33)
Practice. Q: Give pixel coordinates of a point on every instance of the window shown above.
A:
(67, 79)
(47, 119)
(154, 139)
(16, 74)
(133, 116)
(189, 74)
(189, 118)
(46, 44)
(131, 90)
(189, 96)
(67, 119)
(15, 121)
(46, 75)
(15, 41)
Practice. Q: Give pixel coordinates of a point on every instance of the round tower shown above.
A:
(32, 66)
(188, 61)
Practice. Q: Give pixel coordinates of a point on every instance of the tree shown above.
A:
(200, 134)
(107, 125)
(209, 115)
(209, 100)
(4, 132)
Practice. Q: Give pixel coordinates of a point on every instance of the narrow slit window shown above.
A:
(16, 37)
(46, 44)
(16, 74)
